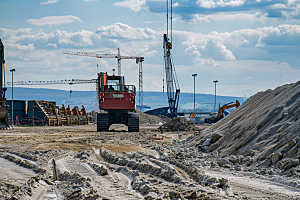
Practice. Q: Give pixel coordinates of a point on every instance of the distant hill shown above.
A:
(88, 98)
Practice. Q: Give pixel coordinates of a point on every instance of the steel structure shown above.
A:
(118, 56)
(173, 89)
(70, 82)
(3, 107)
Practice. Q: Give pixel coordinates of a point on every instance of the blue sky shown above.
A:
(247, 45)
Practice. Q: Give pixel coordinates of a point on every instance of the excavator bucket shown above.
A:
(4, 117)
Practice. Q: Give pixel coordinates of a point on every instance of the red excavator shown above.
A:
(220, 114)
(118, 101)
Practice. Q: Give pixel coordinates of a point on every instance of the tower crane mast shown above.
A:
(118, 56)
(173, 89)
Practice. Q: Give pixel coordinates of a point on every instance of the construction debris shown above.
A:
(178, 124)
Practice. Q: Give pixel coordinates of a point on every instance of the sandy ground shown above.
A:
(122, 165)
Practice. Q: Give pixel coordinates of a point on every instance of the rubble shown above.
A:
(178, 124)
(266, 125)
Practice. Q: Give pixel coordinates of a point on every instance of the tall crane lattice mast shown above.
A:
(171, 78)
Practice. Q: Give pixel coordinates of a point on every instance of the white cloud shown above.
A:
(90, 0)
(49, 2)
(151, 22)
(150, 53)
(219, 3)
(51, 45)
(261, 43)
(22, 38)
(195, 18)
(18, 46)
(223, 16)
(135, 5)
(119, 30)
(54, 20)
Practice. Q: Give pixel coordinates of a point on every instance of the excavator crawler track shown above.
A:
(102, 122)
(133, 122)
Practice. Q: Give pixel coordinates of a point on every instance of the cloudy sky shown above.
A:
(247, 45)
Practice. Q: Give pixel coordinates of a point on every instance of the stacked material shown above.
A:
(265, 127)
(62, 116)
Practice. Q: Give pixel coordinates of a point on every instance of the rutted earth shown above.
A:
(122, 165)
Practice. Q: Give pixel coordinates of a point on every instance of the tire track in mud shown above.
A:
(115, 185)
(253, 187)
(12, 171)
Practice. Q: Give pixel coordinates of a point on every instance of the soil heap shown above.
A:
(265, 127)
(151, 119)
(143, 117)
(178, 124)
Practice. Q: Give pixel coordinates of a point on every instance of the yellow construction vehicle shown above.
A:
(220, 114)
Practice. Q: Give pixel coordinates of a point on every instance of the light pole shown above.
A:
(12, 95)
(215, 94)
(194, 75)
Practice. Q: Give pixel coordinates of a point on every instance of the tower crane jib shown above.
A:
(119, 57)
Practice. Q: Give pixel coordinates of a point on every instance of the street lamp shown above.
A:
(215, 94)
(12, 95)
(194, 75)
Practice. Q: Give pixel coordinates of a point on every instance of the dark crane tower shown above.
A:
(3, 106)
(173, 89)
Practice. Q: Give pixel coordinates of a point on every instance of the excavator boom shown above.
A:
(228, 106)
(220, 112)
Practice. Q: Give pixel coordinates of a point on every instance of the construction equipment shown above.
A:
(171, 78)
(3, 107)
(66, 81)
(118, 102)
(220, 113)
(139, 61)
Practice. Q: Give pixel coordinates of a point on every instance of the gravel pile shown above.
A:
(266, 127)
(178, 124)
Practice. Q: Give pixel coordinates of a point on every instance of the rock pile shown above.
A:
(265, 127)
(178, 124)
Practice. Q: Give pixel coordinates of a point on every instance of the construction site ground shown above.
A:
(149, 164)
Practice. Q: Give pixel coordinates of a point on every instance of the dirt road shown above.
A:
(122, 165)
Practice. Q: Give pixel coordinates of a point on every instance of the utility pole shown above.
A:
(215, 94)
(12, 95)
(194, 75)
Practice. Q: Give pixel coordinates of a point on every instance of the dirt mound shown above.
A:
(265, 127)
(144, 118)
(178, 124)
(152, 119)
